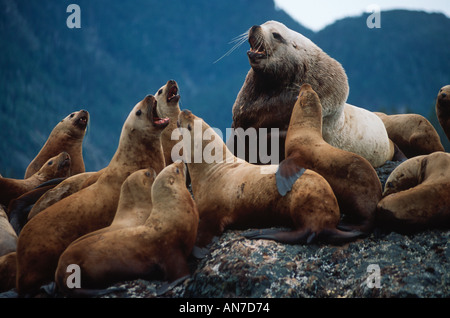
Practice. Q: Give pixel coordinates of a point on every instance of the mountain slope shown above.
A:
(128, 49)
(123, 51)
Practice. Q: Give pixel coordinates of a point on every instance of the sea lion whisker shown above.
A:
(239, 37)
(237, 45)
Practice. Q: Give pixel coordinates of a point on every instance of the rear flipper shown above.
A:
(398, 154)
(288, 172)
(169, 286)
(201, 252)
(362, 227)
(305, 236)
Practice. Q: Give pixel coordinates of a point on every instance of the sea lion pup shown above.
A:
(8, 237)
(67, 187)
(353, 179)
(412, 133)
(66, 136)
(281, 61)
(168, 99)
(46, 235)
(157, 249)
(232, 193)
(417, 195)
(443, 109)
(55, 167)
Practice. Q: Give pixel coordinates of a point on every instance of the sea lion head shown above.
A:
(306, 117)
(56, 167)
(167, 98)
(275, 49)
(144, 117)
(309, 101)
(168, 180)
(75, 124)
(136, 189)
(443, 98)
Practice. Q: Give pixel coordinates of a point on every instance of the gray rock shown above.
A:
(415, 265)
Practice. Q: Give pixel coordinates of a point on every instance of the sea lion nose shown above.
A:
(172, 82)
(254, 28)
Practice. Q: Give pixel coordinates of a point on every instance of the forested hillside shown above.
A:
(125, 50)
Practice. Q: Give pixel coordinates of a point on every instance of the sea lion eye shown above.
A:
(50, 163)
(189, 127)
(71, 115)
(277, 36)
(178, 171)
(138, 113)
(160, 91)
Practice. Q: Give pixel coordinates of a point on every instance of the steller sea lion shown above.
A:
(7, 272)
(19, 208)
(8, 237)
(66, 136)
(417, 194)
(168, 99)
(443, 109)
(232, 193)
(46, 235)
(67, 187)
(412, 133)
(156, 249)
(281, 61)
(353, 179)
(135, 203)
(55, 167)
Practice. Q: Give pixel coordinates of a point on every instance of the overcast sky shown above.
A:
(316, 14)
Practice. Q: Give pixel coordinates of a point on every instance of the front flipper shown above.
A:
(288, 172)
(282, 236)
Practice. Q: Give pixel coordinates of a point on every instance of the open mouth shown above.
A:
(157, 121)
(172, 95)
(82, 120)
(257, 48)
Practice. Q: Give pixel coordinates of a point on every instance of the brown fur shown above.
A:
(135, 202)
(7, 272)
(46, 235)
(417, 194)
(156, 249)
(168, 106)
(281, 61)
(233, 193)
(67, 136)
(67, 187)
(56, 167)
(443, 109)
(412, 133)
(8, 237)
(352, 178)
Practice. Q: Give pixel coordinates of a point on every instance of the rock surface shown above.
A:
(415, 265)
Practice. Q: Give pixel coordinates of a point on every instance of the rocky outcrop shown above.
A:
(414, 265)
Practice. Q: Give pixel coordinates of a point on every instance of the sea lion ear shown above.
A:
(288, 172)
(294, 44)
(171, 180)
